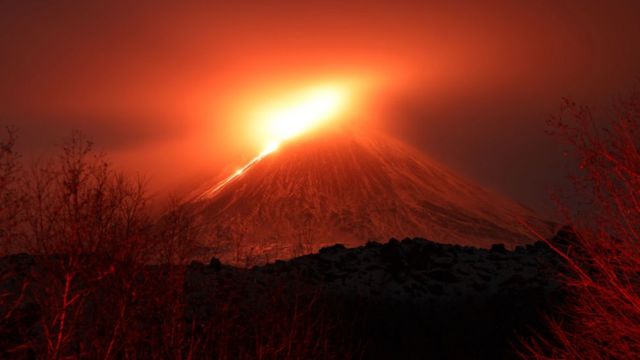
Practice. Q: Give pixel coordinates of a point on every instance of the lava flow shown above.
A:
(299, 114)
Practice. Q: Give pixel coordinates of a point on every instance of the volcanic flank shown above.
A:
(344, 187)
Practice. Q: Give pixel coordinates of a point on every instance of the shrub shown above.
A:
(602, 317)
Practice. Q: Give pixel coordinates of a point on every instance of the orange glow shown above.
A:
(291, 117)
(271, 148)
(299, 113)
(262, 114)
(304, 112)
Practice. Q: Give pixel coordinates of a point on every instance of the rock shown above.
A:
(196, 264)
(564, 238)
(372, 245)
(540, 245)
(215, 264)
(498, 248)
(332, 249)
(442, 276)
(436, 289)
(392, 254)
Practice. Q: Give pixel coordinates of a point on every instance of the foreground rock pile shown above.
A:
(408, 271)
(403, 299)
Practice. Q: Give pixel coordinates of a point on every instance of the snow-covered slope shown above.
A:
(346, 187)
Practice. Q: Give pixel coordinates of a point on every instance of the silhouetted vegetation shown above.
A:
(106, 279)
(602, 318)
(10, 196)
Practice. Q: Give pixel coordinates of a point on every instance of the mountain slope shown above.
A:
(351, 188)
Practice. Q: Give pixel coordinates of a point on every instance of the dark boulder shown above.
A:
(215, 264)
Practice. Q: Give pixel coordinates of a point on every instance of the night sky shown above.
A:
(158, 85)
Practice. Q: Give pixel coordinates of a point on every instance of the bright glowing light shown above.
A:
(269, 149)
(304, 112)
(287, 119)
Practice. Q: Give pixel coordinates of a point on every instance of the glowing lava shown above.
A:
(287, 119)
(271, 148)
(302, 113)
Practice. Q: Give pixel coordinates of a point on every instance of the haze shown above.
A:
(164, 87)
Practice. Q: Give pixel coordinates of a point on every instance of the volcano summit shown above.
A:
(343, 187)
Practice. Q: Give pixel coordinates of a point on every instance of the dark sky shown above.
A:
(157, 84)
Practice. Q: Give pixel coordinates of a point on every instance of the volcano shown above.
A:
(348, 187)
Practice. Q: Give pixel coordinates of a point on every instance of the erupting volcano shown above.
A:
(341, 186)
(288, 179)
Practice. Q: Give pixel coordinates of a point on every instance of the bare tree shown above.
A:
(602, 318)
(107, 280)
(10, 199)
(94, 239)
(13, 286)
